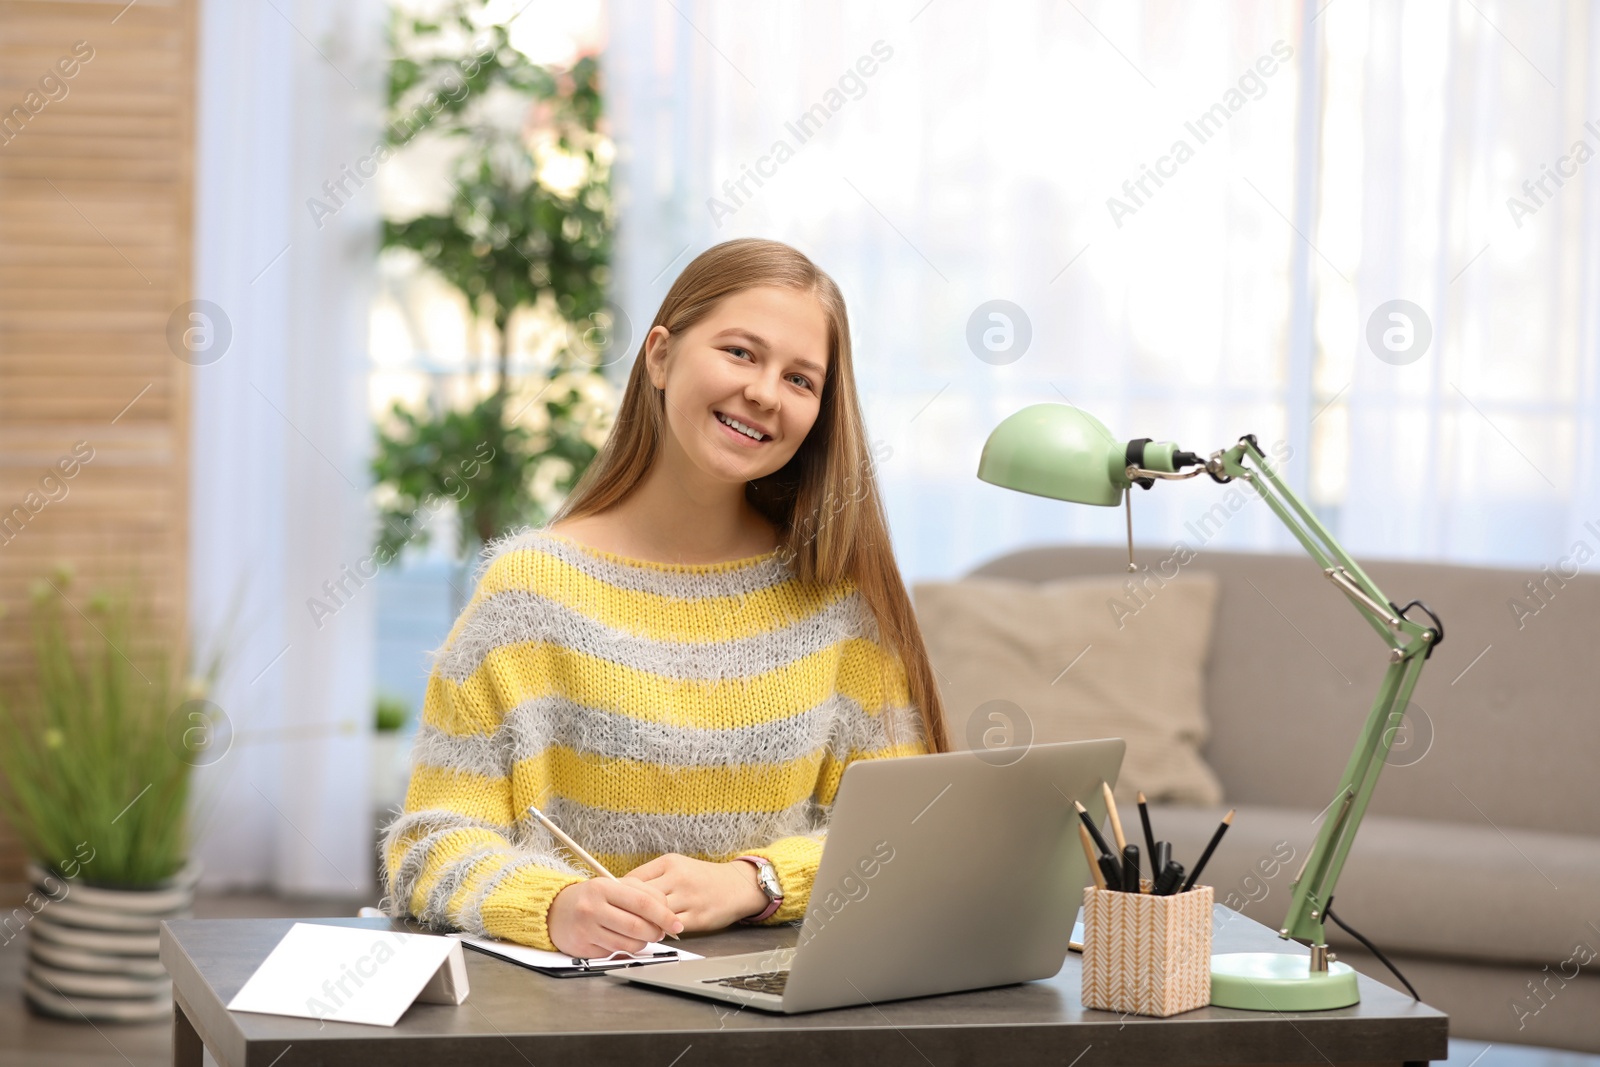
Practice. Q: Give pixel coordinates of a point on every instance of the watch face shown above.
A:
(769, 881)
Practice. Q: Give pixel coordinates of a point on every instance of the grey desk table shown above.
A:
(520, 1018)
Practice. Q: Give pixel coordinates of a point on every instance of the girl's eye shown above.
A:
(805, 383)
(736, 348)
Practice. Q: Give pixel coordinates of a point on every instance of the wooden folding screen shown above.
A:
(97, 116)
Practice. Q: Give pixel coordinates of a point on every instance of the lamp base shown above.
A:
(1277, 981)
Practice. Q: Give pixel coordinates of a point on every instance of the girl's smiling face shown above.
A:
(759, 359)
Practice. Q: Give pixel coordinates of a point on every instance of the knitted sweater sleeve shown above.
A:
(459, 855)
(876, 721)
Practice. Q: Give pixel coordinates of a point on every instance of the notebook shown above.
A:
(560, 965)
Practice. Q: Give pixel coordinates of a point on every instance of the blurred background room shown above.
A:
(301, 303)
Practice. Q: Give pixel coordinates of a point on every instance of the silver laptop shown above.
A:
(940, 873)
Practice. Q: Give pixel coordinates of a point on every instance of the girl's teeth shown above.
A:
(753, 435)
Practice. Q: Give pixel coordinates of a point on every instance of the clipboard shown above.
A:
(560, 965)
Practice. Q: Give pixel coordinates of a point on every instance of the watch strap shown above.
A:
(773, 903)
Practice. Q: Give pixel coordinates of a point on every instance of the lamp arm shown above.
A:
(1305, 527)
(1314, 885)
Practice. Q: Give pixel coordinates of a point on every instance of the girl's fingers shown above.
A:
(629, 931)
(651, 881)
(643, 871)
(662, 864)
(647, 902)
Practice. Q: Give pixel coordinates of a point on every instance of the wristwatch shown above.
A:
(767, 878)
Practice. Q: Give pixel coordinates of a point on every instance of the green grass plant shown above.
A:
(99, 742)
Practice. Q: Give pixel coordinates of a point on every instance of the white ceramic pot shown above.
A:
(390, 769)
(94, 952)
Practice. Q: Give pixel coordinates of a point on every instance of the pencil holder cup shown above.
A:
(1144, 954)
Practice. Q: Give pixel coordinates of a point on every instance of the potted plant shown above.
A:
(524, 235)
(391, 715)
(97, 746)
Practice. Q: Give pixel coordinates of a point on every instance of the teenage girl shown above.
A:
(677, 669)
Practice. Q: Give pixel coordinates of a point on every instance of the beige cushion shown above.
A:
(1138, 675)
(1502, 722)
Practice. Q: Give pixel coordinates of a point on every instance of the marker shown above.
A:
(1163, 857)
(1130, 869)
(1171, 876)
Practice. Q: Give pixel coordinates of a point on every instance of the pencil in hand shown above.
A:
(1227, 821)
(577, 849)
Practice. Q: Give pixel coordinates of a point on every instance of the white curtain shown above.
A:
(1485, 447)
(290, 95)
(1196, 210)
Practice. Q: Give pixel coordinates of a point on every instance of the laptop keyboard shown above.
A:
(760, 982)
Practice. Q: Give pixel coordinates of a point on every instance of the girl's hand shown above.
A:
(603, 915)
(705, 895)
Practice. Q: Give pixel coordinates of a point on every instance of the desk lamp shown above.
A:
(1062, 452)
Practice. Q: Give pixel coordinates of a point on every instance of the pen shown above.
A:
(1149, 835)
(1094, 861)
(1227, 820)
(1116, 820)
(561, 835)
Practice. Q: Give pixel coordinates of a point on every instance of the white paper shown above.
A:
(345, 973)
(534, 957)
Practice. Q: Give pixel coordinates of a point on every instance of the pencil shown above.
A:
(1094, 831)
(1149, 836)
(578, 850)
(1116, 820)
(1227, 821)
(1094, 863)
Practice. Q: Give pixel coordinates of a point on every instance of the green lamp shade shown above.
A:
(1058, 451)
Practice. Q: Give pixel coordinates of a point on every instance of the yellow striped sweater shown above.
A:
(706, 709)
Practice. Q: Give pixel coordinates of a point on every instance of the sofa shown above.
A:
(1477, 866)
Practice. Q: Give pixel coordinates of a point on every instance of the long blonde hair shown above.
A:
(824, 502)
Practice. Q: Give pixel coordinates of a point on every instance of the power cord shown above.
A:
(1374, 949)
